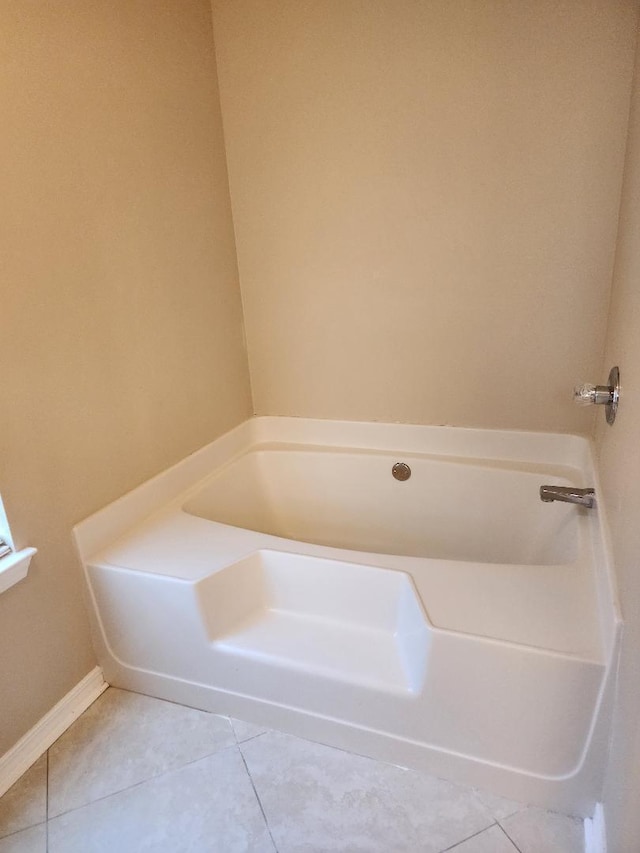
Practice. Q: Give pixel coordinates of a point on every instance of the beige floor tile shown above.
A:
(206, 807)
(32, 840)
(25, 803)
(125, 738)
(492, 840)
(245, 731)
(321, 799)
(537, 831)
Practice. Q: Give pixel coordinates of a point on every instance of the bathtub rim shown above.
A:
(178, 481)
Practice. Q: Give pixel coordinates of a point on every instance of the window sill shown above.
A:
(14, 567)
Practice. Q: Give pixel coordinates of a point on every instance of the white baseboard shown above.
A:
(37, 740)
(595, 836)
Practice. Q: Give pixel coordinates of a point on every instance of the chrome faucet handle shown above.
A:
(600, 395)
(591, 395)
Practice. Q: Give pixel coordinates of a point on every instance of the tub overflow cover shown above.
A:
(401, 471)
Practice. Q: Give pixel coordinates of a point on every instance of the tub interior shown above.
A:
(452, 509)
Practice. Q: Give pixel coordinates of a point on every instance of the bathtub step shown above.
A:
(344, 621)
(324, 647)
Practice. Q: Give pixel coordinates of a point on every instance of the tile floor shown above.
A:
(137, 774)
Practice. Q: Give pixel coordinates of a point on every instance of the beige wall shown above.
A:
(619, 448)
(425, 197)
(121, 343)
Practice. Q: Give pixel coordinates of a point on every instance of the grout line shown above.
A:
(246, 739)
(468, 838)
(148, 779)
(509, 837)
(266, 822)
(518, 806)
(156, 775)
(253, 737)
(22, 829)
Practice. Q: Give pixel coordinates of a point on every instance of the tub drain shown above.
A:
(401, 471)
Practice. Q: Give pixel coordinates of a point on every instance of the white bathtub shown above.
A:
(452, 621)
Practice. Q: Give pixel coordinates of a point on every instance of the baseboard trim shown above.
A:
(595, 836)
(37, 740)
